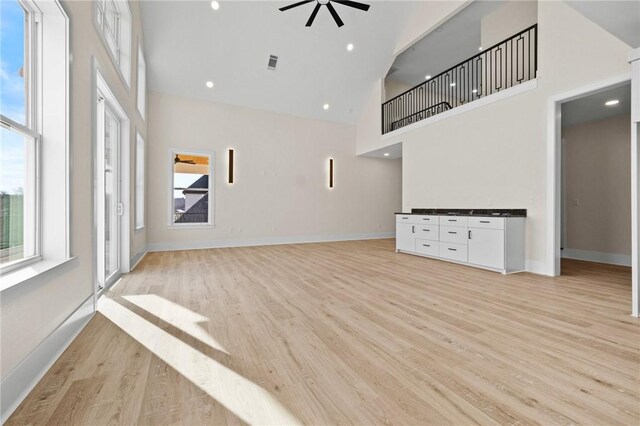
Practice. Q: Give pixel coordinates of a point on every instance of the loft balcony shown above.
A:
(506, 64)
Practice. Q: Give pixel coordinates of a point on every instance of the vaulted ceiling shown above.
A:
(187, 43)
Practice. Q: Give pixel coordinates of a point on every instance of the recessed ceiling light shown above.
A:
(612, 102)
(386, 154)
(325, 106)
(452, 84)
(427, 77)
(215, 5)
(210, 84)
(350, 47)
(480, 48)
(474, 91)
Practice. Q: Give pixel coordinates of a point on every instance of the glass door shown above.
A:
(109, 207)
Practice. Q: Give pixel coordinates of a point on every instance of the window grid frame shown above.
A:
(30, 129)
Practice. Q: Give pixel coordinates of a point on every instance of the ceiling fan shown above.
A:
(332, 10)
(178, 160)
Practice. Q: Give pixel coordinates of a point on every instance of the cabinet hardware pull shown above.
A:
(404, 217)
(451, 232)
(453, 249)
(413, 229)
(427, 230)
(452, 220)
(469, 233)
(426, 245)
(485, 221)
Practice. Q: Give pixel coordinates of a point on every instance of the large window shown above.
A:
(19, 135)
(191, 195)
(34, 138)
(113, 21)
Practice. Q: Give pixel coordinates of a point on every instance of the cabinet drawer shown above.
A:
(428, 247)
(405, 218)
(457, 252)
(486, 222)
(452, 234)
(429, 220)
(428, 232)
(454, 220)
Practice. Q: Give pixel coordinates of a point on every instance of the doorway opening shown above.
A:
(111, 178)
(591, 186)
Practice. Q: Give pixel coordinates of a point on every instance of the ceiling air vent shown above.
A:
(273, 61)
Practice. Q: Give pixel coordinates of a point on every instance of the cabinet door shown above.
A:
(486, 247)
(405, 237)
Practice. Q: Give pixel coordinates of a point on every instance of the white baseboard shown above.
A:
(137, 258)
(595, 256)
(536, 267)
(194, 245)
(23, 378)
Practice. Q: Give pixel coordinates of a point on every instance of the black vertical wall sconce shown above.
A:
(330, 172)
(230, 179)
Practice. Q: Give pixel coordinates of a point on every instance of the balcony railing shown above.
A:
(504, 65)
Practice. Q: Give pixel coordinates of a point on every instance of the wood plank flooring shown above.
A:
(347, 333)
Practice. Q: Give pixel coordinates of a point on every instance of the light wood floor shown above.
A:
(348, 333)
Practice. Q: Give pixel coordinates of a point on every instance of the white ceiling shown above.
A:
(453, 42)
(592, 107)
(393, 152)
(620, 18)
(188, 43)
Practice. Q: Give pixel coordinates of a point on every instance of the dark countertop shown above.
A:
(470, 212)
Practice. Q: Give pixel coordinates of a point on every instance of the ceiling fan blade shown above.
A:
(291, 6)
(335, 15)
(355, 4)
(313, 15)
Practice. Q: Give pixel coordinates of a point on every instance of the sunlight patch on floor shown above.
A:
(242, 397)
(180, 317)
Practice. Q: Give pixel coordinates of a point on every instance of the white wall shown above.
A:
(428, 16)
(281, 183)
(509, 19)
(598, 186)
(496, 155)
(32, 310)
(393, 88)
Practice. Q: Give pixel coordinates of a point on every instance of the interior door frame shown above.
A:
(100, 86)
(554, 181)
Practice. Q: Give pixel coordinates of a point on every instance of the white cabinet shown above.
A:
(486, 247)
(405, 237)
(494, 243)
